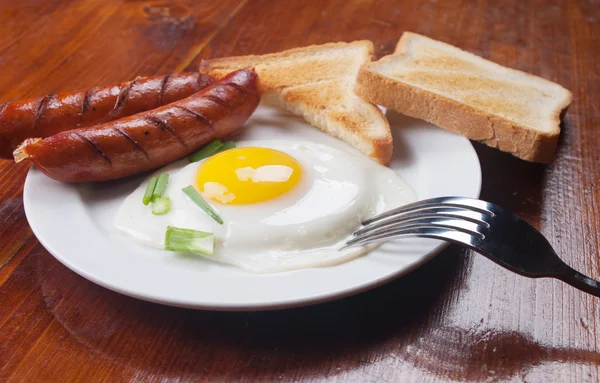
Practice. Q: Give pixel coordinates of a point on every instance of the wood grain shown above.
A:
(458, 318)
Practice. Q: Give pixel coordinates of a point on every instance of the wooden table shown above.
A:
(459, 317)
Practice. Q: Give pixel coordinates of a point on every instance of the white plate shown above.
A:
(75, 224)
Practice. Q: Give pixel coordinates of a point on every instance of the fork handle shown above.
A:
(578, 280)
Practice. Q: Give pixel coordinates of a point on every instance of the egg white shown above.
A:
(302, 228)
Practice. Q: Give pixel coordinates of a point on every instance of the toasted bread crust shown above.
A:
(383, 149)
(495, 131)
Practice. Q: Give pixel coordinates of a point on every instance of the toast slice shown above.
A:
(316, 82)
(507, 109)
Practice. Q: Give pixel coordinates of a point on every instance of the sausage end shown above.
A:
(20, 152)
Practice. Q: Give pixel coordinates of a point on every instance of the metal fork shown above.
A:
(482, 226)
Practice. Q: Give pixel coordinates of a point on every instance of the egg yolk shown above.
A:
(247, 175)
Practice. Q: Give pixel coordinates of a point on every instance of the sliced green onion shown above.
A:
(226, 146)
(188, 240)
(161, 185)
(149, 190)
(198, 200)
(161, 206)
(206, 151)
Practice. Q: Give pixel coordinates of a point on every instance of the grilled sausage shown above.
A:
(53, 113)
(149, 139)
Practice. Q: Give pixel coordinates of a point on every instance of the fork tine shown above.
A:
(424, 232)
(452, 213)
(436, 203)
(466, 227)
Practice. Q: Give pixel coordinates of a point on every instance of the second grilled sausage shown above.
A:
(146, 140)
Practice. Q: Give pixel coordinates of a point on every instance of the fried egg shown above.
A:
(284, 204)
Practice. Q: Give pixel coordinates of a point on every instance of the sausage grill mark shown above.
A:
(164, 126)
(163, 86)
(219, 101)
(197, 115)
(133, 142)
(40, 109)
(237, 87)
(122, 97)
(85, 104)
(93, 146)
